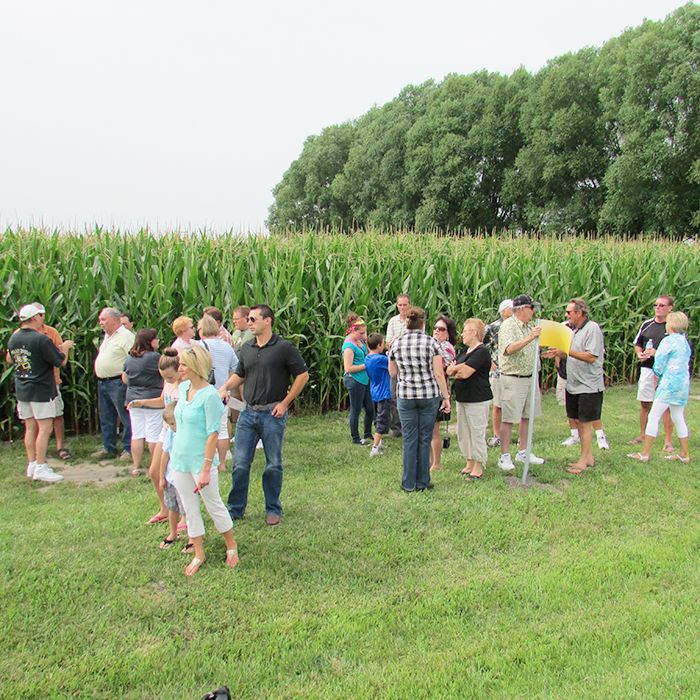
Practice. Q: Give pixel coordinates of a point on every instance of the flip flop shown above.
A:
(193, 567)
(187, 549)
(635, 441)
(669, 448)
(181, 527)
(64, 454)
(166, 543)
(638, 456)
(157, 518)
(685, 460)
(232, 558)
(473, 477)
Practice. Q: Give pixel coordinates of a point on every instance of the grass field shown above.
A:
(582, 587)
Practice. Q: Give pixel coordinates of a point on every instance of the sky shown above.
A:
(175, 114)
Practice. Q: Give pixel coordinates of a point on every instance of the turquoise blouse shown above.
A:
(671, 365)
(358, 358)
(195, 421)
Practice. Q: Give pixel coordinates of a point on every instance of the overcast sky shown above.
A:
(170, 113)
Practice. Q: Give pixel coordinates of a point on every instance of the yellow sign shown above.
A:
(555, 335)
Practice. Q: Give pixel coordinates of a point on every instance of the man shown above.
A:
(505, 310)
(266, 367)
(127, 321)
(650, 334)
(396, 328)
(516, 360)
(219, 318)
(111, 391)
(241, 333)
(34, 357)
(584, 378)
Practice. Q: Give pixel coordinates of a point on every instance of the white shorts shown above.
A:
(40, 409)
(223, 427)
(646, 388)
(146, 423)
(496, 390)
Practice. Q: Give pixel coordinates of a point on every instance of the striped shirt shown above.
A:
(413, 352)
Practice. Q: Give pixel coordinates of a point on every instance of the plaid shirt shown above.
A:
(413, 352)
(491, 341)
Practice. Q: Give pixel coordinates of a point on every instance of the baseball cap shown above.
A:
(505, 304)
(39, 306)
(523, 300)
(28, 311)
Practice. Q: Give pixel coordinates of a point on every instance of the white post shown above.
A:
(531, 421)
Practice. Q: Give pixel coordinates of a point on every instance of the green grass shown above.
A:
(589, 588)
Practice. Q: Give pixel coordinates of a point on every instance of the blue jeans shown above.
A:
(417, 421)
(360, 397)
(111, 396)
(251, 427)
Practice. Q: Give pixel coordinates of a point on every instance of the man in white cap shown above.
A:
(505, 310)
(34, 357)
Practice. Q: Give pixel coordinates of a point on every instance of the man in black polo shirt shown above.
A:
(34, 357)
(266, 366)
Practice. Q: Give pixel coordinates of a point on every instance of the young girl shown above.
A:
(167, 366)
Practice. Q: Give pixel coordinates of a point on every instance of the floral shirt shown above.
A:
(671, 363)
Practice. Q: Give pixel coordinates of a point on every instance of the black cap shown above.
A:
(523, 300)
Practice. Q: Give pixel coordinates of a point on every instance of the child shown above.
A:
(377, 367)
(170, 496)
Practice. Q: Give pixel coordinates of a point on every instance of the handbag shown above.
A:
(212, 375)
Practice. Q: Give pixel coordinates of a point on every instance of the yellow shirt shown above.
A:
(112, 353)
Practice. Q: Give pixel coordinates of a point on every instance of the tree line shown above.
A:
(604, 139)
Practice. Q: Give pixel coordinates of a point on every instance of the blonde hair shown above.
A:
(678, 321)
(478, 325)
(207, 327)
(198, 360)
(180, 324)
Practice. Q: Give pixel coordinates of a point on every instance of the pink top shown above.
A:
(179, 344)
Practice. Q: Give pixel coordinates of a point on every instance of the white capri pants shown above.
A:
(185, 483)
(658, 408)
(472, 421)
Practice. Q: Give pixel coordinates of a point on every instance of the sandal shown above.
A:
(669, 447)
(685, 460)
(166, 542)
(187, 549)
(193, 567)
(473, 477)
(157, 518)
(136, 472)
(232, 557)
(181, 526)
(64, 454)
(638, 456)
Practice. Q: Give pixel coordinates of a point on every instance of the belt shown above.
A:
(109, 379)
(519, 376)
(263, 406)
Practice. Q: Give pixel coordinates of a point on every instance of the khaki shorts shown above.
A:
(40, 409)
(646, 388)
(561, 391)
(496, 390)
(515, 399)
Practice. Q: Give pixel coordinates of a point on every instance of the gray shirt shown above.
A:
(144, 378)
(586, 377)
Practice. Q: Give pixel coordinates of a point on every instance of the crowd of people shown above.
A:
(177, 404)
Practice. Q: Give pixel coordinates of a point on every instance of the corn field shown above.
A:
(313, 280)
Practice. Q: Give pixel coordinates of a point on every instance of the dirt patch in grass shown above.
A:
(515, 483)
(89, 472)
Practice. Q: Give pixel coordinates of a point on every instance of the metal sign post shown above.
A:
(531, 422)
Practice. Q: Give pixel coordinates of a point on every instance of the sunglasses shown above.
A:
(439, 328)
(252, 319)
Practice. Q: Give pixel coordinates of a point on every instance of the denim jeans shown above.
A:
(417, 421)
(111, 396)
(360, 397)
(251, 427)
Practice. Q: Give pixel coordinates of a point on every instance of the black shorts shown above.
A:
(382, 416)
(584, 407)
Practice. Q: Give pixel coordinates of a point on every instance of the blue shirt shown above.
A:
(671, 365)
(196, 420)
(358, 358)
(377, 366)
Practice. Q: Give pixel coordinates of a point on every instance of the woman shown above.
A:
(193, 456)
(445, 332)
(183, 327)
(415, 360)
(143, 381)
(671, 365)
(473, 394)
(225, 362)
(356, 379)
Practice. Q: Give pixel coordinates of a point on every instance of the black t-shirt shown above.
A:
(34, 356)
(267, 370)
(650, 331)
(477, 388)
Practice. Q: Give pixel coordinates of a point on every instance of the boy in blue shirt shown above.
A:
(377, 367)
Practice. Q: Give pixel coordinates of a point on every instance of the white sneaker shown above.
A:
(375, 452)
(505, 462)
(43, 472)
(30, 469)
(603, 442)
(381, 445)
(259, 446)
(534, 459)
(571, 441)
(494, 441)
